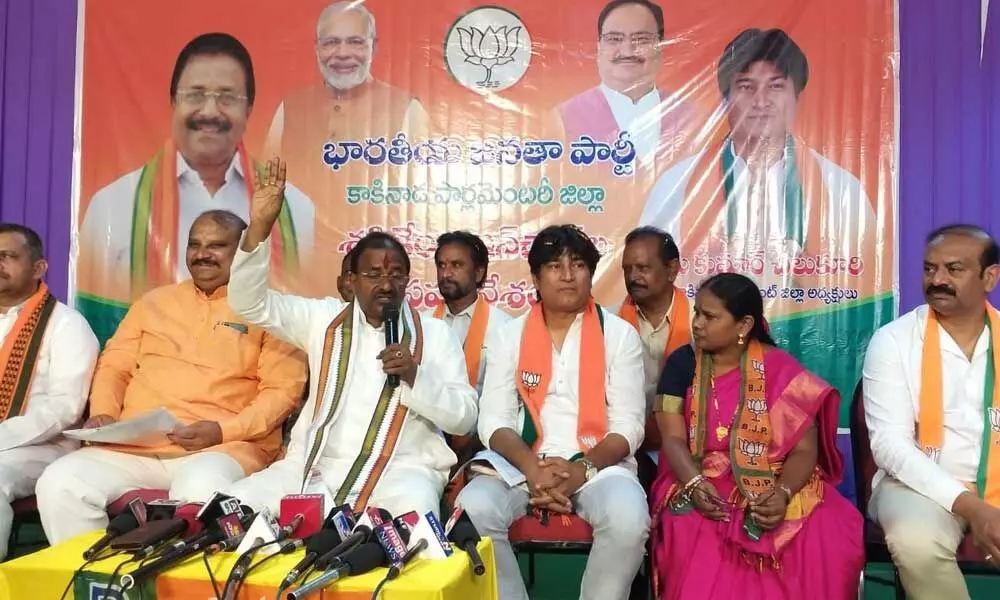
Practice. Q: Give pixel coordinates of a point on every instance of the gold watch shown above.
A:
(589, 466)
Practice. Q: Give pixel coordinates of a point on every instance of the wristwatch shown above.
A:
(589, 466)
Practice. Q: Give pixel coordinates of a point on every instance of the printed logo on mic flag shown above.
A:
(94, 586)
(391, 541)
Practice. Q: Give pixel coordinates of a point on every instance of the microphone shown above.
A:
(289, 529)
(390, 321)
(412, 553)
(360, 560)
(464, 535)
(319, 544)
(360, 535)
(172, 557)
(425, 527)
(122, 523)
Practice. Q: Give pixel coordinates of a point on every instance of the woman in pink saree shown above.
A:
(744, 505)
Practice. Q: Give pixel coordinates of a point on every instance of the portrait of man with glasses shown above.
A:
(134, 233)
(629, 58)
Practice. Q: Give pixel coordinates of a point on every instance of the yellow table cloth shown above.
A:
(45, 574)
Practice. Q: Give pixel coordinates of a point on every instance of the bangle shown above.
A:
(788, 492)
(692, 483)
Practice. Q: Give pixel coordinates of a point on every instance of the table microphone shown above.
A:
(465, 536)
(366, 557)
(123, 523)
(319, 544)
(390, 321)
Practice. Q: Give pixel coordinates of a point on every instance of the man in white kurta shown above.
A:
(133, 236)
(58, 371)
(358, 440)
(596, 473)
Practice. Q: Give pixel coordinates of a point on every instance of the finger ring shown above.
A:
(989, 557)
(399, 354)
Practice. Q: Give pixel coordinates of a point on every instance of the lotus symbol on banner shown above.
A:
(489, 49)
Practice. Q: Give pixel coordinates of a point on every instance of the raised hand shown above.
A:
(265, 205)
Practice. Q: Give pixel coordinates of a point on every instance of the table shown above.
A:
(44, 575)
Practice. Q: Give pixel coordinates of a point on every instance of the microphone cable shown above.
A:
(239, 582)
(211, 575)
(111, 580)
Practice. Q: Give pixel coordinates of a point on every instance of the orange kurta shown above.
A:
(189, 353)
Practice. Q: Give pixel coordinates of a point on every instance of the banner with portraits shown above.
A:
(761, 134)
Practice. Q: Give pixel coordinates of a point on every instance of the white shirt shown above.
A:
(761, 207)
(891, 383)
(440, 399)
(460, 325)
(641, 119)
(61, 383)
(106, 232)
(500, 407)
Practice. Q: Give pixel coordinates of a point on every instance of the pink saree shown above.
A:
(817, 551)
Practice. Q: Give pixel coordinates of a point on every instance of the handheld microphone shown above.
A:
(465, 536)
(318, 544)
(123, 523)
(412, 553)
(360, 560)
(360, 535)
(390, 321)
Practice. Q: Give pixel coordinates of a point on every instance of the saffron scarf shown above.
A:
(534, 372)
(710, 194)
(20, 351)
(156, 214)
(476, 337)
(930, 430)
(680, 325)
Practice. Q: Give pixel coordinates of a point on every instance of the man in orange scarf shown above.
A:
(932, 405)
(47, 355)
(658, 310)
(134, 231)
(462, 261)
(563, 405)
(180, 348)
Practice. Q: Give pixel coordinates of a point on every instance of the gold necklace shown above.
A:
(721, 431)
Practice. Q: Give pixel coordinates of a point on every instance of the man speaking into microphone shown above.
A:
(371, 430)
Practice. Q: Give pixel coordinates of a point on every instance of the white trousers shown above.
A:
(20, 468)
(400, 489)
(73, 493)
(613, 503)
(923, 538)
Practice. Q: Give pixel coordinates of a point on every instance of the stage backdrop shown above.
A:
(502, 118)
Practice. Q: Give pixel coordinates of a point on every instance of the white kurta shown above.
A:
(56, 400)
(460, 325)
(440, 399)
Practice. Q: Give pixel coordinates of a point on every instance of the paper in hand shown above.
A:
(145, 430)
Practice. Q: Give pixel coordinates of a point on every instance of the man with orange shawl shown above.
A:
(655, 307)
(47, 355)
(757, 188)
(181, 348)
(932, 405)
(134, 231)
(563, 404)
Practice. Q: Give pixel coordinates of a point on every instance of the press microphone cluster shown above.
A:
(464, 535)
(123, 523)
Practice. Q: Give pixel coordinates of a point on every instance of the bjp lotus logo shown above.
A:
(935, 453)
(757, 406)
(750, 449)
(995, 419)
(488, 49)
(530, 380)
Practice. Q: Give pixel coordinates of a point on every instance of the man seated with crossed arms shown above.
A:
(572, 373)
(932, 405)
(47, 354)
(180, 347)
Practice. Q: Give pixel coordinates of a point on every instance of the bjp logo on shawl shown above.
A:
(751, 450)
(995, 419)
(530, 380)
(935, 453)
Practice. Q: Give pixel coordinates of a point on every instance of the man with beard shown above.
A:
(47, 353)
(658, 310)
(562, 402)
(182, 349)
(347, 105)
(629, 56)
(371, 432)
(132, 238)
(932, 405)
